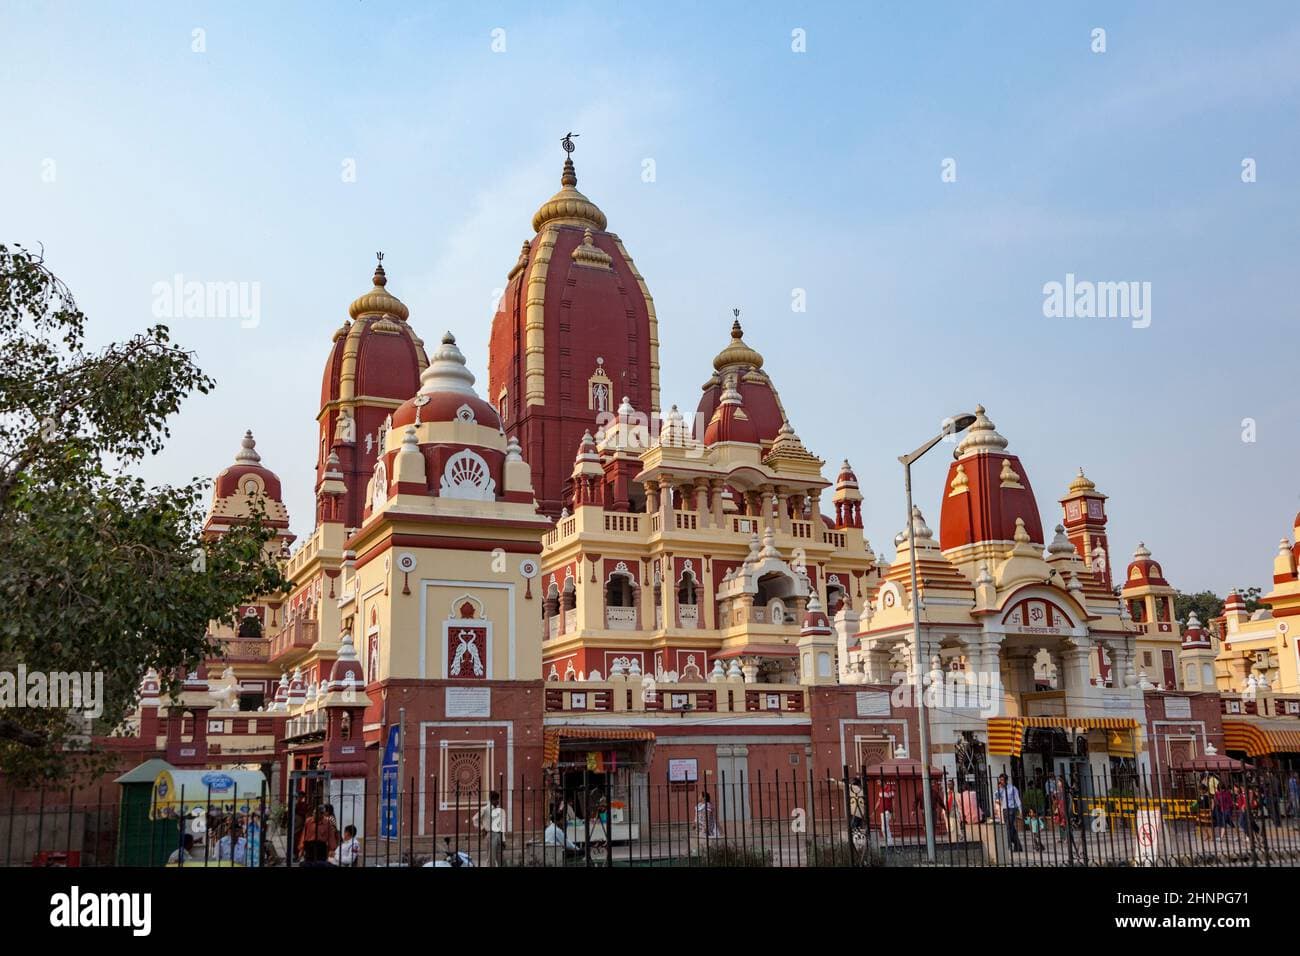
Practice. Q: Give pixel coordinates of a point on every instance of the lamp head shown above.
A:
(958, 423)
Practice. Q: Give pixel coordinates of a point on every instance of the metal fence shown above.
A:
(872, 818)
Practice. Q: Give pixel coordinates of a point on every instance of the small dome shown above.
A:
(814, 618)
(346, 672)
(446, 393)
(1082, 483)
(981, 436)
(569, 206)
(1143, 570)
(1061, 545)
(379, 301)
(846, 478)
(737, 352)
(247, 475)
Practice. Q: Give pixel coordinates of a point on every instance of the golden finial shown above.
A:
(381, 279)
(570, 175)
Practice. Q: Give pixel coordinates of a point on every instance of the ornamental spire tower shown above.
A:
(574, 332)
(374, 366)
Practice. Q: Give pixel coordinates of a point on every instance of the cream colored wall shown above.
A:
(491, 579)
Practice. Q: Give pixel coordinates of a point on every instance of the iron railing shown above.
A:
(579, 818)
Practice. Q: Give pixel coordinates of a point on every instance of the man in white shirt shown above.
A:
(1008, 798)
(491, 821)
(556, 842)
(349, 852)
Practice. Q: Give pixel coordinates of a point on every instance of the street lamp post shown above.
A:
(958, 423)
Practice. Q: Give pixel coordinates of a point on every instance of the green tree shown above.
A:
(99, 571)
(1206, 604)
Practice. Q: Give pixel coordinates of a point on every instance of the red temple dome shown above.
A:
(248, 475)
(846, 478)
(377, 354)
(742, 366)
(574, 329)
(447, 393)
(986, 492)
(1142, 570)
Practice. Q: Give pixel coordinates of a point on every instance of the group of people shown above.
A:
(1232, 805)
(238, 840)
(318, 841)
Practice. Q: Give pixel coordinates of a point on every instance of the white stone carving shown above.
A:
(467, 477)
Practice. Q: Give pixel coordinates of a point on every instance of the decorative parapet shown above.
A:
(624, 697)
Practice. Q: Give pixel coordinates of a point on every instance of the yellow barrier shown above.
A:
(1126, 808)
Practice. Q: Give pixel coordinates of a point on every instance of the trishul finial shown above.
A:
(379, 256)
(735, 313)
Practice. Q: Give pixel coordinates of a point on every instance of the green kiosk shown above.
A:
(142, 840)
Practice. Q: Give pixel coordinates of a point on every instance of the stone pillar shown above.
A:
(815, 507)
(702, 502)
(715, 487)
(666, 502)
(1077, 666)
(783, 510)
(846, 622)
(767, 498)
(651, 497)
(668, 594)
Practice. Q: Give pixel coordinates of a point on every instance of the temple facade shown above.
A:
(555, 581)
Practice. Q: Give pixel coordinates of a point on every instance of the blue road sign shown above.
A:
(388, 784)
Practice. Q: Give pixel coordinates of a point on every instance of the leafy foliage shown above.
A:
(100, 571)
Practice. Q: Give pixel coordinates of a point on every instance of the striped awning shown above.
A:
(1260, 739)
(551, 738)
(1005, 736)
(1085, 723)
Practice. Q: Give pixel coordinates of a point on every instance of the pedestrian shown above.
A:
(885, 811)
(185, 852)
(555, 841)
(952, 807)
(1222, 815)
(706, 821)
(857, 805)
(1060, 811)
(251, 854)
(491, 821)
(229, 845)
(1293, 795)
(1034, 824)
(350, 849)
(1008, 798)
(320, 837)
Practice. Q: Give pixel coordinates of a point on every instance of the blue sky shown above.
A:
(775, 171)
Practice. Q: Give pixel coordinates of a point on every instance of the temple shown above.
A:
(554, 581)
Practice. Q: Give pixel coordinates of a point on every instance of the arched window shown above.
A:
(618, 590)
(834, 599)
(688, 588)
(250, 626)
